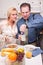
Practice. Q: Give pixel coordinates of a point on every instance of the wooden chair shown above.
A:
(40, 39)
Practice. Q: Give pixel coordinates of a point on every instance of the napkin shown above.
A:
(36, 52)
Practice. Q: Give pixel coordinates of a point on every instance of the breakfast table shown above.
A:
(34, 60)
(37, 60)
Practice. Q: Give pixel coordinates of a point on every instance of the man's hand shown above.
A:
(19, 36)
(23, 28)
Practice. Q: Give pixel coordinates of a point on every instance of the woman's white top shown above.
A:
(8, 30)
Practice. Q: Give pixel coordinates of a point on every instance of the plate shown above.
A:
(29, 47)
(11, 45)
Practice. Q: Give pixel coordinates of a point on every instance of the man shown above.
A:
(34, 22)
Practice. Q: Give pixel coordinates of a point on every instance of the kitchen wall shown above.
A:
(36, 6)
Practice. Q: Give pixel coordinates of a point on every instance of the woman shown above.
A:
(9, 28)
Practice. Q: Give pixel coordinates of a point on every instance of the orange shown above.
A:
(12, 56)
(28, 54)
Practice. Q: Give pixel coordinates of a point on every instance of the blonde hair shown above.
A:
(10, 11)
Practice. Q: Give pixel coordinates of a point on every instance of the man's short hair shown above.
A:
(24, 5)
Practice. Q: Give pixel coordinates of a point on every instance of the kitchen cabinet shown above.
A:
(36, 6)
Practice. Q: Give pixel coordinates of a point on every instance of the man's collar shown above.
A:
(26, 20)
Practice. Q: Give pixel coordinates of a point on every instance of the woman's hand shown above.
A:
(0, 30)
(7, 39)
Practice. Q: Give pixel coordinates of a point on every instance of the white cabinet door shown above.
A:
(35, 5)
(42, 7)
